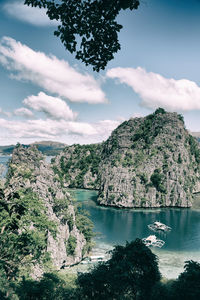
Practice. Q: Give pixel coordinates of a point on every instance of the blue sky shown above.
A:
(47, 95)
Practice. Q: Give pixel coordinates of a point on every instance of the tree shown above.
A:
(53, 286)
(187, 286)
(131, 273)
(87, 28)
(24, 227)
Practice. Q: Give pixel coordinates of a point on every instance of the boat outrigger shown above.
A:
(153, 241)
(158, 226)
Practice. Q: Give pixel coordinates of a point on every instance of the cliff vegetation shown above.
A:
(146, 162)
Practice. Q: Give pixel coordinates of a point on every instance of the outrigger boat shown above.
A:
(94, 259)
(158, 226)
(153, 241)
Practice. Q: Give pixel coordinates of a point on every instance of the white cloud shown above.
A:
(65, 131)
(23, 112)
(46, 128)
(105, 127)
(53, 107)
(54, 75)
(28, 14)
(5, 113)
(158, 91)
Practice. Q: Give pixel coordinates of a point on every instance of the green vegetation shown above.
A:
(143, 178)
(60, 208)
(83, 159)
(181, 118)
(128, 160)
(24, 227)
(131, 273)
(94, 40)
(194, 148)
(55, 286)
(149, 129)
(187, 286)
(85, 226)
(71, 245)
(160, 111)
(111, 198)
(110, 187)
(157, 179)
(112, 144)
(180, 159)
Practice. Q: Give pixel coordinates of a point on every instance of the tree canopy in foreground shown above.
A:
(87, 28)
(131, 273)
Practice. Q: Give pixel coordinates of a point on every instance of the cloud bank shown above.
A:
(32, 15)
(53, 107)
(158, 91)
(54, 75)
(23, 112)
(65, 131)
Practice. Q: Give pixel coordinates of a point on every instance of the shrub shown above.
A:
(157, 180)
(71, 245)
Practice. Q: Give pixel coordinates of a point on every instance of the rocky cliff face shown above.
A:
(150, 162)
(28, 171)
(77, 166)
(147, 162)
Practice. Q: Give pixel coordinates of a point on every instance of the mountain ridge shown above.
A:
(146, 162)
(46, 147)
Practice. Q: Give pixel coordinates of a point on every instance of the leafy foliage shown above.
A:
(187, 286)
(160, 111)
(157, 179)
(60, 208)
(85, 226)
(51, 286)
(194, 148)
(91, 21)
(24, 227)
(83, 159)
(131, 273)
(150, 129)
(71, 245)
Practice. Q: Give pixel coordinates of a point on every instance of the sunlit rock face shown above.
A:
(28, 171)
(150, 162)
(146, 162)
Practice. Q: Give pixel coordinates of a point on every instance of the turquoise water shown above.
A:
(3, 161)
(116, 226)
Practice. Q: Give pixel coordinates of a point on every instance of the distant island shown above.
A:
(49, 148)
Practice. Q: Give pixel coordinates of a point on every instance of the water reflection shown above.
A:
(120, 225)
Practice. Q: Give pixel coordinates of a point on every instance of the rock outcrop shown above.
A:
(146, 162)
(28, 171)
(77, 166)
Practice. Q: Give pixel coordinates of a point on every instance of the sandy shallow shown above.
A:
(171, 263)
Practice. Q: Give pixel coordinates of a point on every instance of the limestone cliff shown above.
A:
(77, 166)
(28, 171)
(146, 162)
(150, 162)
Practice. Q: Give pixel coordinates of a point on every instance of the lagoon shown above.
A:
(116, 226)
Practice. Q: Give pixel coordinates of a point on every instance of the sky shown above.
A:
(45, 94)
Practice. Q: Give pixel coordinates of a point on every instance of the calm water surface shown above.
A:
(116, 226)
(3, 162)
(120, 225)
